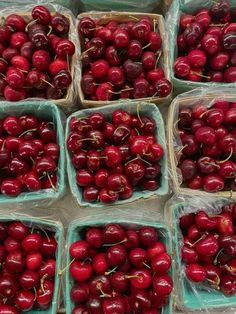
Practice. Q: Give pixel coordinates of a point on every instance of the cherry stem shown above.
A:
(25, 132)
(132, 276)
(213, 164)
(65, 268)
(107, 273)
(230, 155)
(138, 114)
(35, 293)
(154, 25)
(182, 148)
(215, 284)
(87, 259)
(104, 295)
(4, 60)
(123, 241)
(230, 269)
(33, 162)
(30, 23)
(140, 158)
(216, 258)
(23, 71)
(158, 58)
(3, 75)
(220, 25)
(137, 131)
(202, 237)
(47, 236)
(134, 18)
(3, 144)
(42, 282)
(146, 265)
(95, 28)
(122, 90)
(146, 46)
(84, 52)
(45, 81)
(68, 60)
(88, 139)
(50, 180)
(50, 30)
(201, 75)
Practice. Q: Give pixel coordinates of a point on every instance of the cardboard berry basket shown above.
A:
(177, 8)
(50, 225)
(190, 99)
(76, 231)
(42, 110)
(66, 103)
(131, 106)
(123, 17)
(193, 296)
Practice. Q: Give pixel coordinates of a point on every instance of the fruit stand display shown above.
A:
(144, 199)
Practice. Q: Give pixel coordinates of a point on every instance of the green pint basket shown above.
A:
(56, 227)
(76, 229)
(178, 7)
(194, 296)
(145, 108)
(42, 110)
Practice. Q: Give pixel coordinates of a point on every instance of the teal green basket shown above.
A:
(42, 110)
(73, 235)
(146, 109)
(193, 296)
(56, 227)
(177, 8)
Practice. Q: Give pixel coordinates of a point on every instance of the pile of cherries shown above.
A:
(28, 265)
(112, 157)
(209, 248)
(207, 44)
(208, 137)
(121, 60)
(34, 57)
(120, 270)
(29, 155)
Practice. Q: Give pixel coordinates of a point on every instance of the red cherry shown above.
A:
(80, 271)
(16, 22)
(162, 285)
(41, 14)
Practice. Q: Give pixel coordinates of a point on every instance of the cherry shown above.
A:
(18, 39)
(210, 43)
(230, 75)
(162, 285)
(220, 9)
(163, 87)
(100, 265)
(11, 187)
(79, 249)
(112, 56)
(49, 246)
(134, 50)
(140, 300)
(57, 65)
(116, 304)
(206, 135)
(65, 48)
(207, 246)
(25, 300)
(41, 14)
(26, 50)
(116, 76)
(148, 236)
(15, 78)
(195, 272)
(5, 34)
(41, 60)
(33, 261)
(94, 237)
(60, 24)
(141, 31)
(16, 22)
(104, 91)
(8, 287)
(140, 278)
(227, 285)
(197, 58)
(48, 268)
(29, 279)
(86, 27)
(116, 255)
(80, 271)
(213, 183)
(15, 262)
(79, 293)
(121, 38)
(113, 233)
(224, 224)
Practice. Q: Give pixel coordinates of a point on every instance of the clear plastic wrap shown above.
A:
(131, 5)
(131, 106)
(42, 110)
(172, 19)
(43, 225)
(78, 227)
(191, 99)
(104, 18)
(69, 99)
(195, 297)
